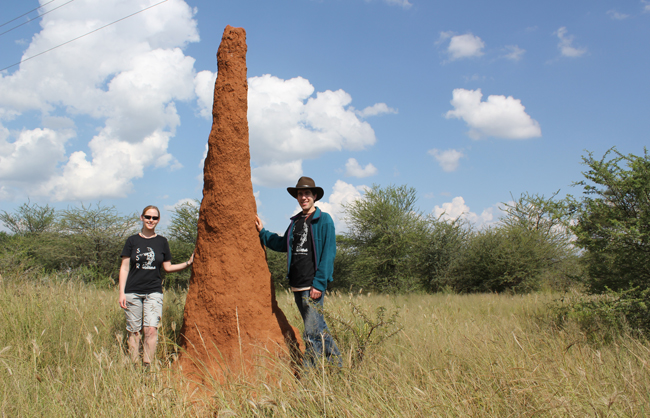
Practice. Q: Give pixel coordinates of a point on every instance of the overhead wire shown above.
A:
(24, 14)
(85, 34)
(34, 18)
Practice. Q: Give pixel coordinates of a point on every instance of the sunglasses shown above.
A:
(147, 217)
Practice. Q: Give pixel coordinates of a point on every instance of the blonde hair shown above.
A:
(150, 207)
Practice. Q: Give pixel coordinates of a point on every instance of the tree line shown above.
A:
(599, 240)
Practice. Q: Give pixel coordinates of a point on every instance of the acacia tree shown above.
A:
(386, 237)
(182, 232)
(613, 220)
(94, 237)
(30, 219)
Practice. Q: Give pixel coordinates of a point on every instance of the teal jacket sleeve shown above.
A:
(325, 236)
(274, 241)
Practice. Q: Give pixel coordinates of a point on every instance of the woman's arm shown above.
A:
(124, 273)
(170, 268)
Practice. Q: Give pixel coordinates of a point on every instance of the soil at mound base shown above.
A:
(231, 315)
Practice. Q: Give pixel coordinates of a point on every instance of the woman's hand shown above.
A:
(258, 223)
(315, 293)
(122, 300)
(191, 260)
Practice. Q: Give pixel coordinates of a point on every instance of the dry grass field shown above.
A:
(62, 354)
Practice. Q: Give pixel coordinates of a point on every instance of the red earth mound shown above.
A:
(232, 322)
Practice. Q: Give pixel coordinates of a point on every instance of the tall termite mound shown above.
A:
(232, 320)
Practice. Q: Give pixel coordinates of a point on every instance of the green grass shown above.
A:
(62, 354)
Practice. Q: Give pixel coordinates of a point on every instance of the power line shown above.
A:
(85, 34)
(34, 18)
(16, 18)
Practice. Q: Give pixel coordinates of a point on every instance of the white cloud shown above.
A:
(287, 124)
(353, 169)
(499, 116)
(258, 202)
(447, 159)
(33, 156)
(204, 89)
(566, 44)
(514, 52)
(405, 4)
(457, 208)
(616, 15)
(646, 6)
(463, 46)
(179, 203)
(376, 109)
(278, 174)
(342, 193)
(126, 77)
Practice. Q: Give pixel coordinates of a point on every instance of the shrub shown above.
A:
(602, 317)
(386, 236)
(613, 220)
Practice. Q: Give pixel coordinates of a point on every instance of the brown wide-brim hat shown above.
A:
(306, 183)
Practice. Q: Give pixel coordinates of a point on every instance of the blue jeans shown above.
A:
(318, 341)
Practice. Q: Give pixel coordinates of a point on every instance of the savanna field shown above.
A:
(63, 354)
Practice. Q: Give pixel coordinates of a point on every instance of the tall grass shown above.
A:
(62, 354)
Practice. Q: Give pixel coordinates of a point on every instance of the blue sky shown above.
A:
(469, 102)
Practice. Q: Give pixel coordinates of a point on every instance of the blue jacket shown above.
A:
(323, 238)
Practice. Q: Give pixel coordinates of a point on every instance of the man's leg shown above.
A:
(318, 341)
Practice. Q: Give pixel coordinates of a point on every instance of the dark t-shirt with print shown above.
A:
(301, 271)
(147, 256)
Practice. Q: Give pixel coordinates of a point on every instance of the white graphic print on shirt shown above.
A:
(150, 255)
(301, 248)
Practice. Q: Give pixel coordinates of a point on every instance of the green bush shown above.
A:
(501, 259)
(613, 221)
(602, 317)
(444, 246)
(386, 237)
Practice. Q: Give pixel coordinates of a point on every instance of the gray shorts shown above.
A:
(143, 310)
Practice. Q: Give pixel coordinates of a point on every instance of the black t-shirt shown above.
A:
(147, 256)
(301, 271)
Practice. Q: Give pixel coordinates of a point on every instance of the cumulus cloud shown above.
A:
(376, 109)
(32, 156)
(204, 89)
(499, 116)
(127, 78)
(186, 201)
(278, 174)
(514, 52)
(457, 208)
(447, 159)
(342, 193)
(353, 169)
(566, 44)
(405, 4)
(288, 124)
(463, 46)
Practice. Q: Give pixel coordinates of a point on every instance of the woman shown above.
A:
(141, 284)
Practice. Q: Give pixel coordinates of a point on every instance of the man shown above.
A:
(310, 244)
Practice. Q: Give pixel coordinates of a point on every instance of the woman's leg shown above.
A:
(150, 342)
(153, 305)
(134, 345)
(133, 313)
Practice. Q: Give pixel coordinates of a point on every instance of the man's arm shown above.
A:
(270, 239)
(325, 268)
